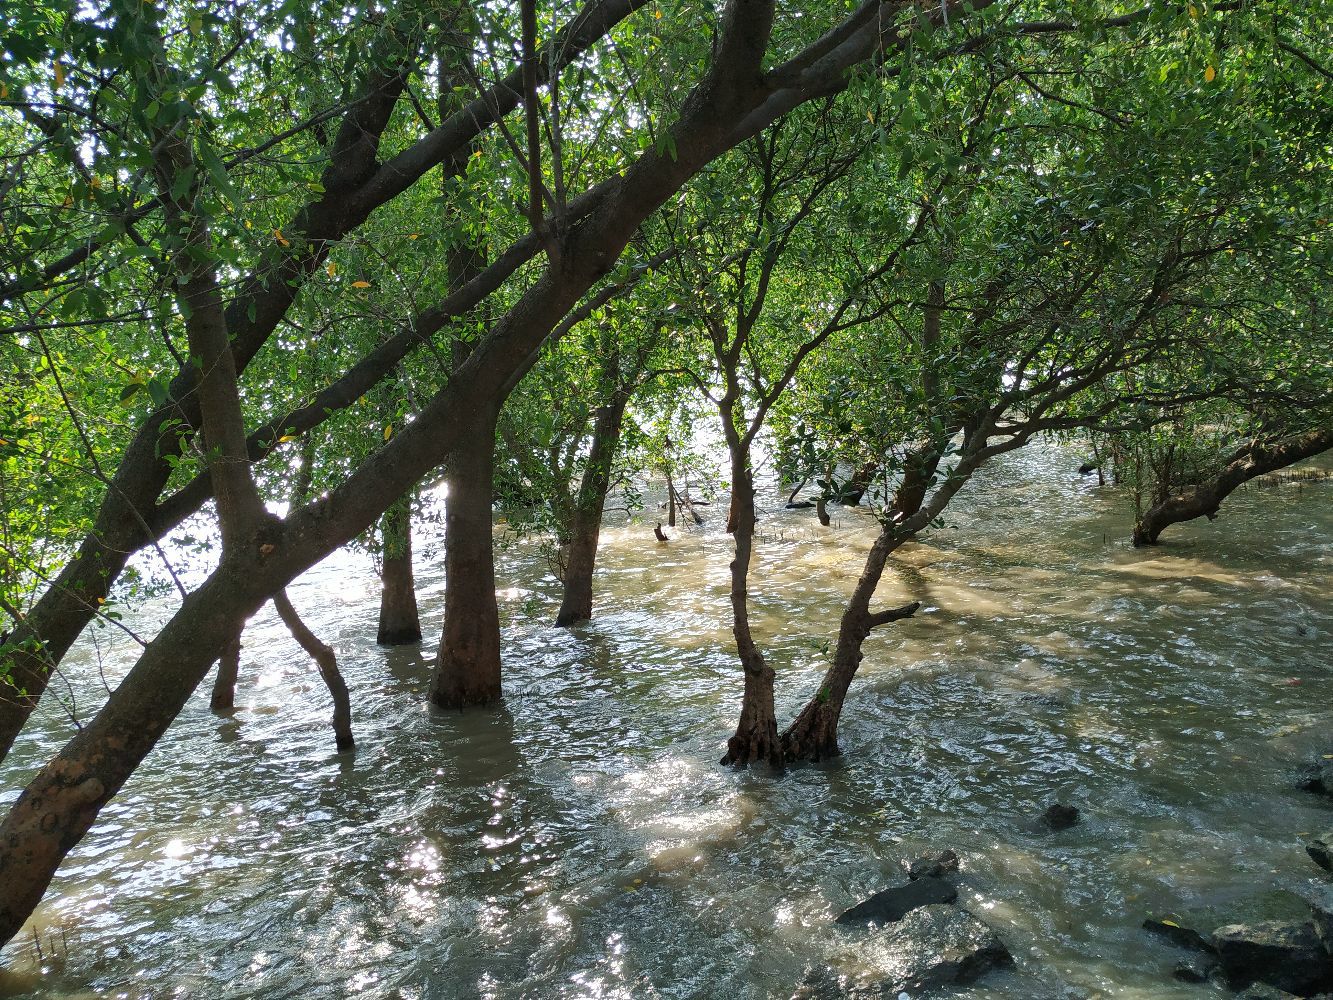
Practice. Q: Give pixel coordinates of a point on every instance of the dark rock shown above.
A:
(937, 946)
(932, 865)
(1087, 468)
(1181, 937)
(1288, 956)
(1262, 991)
(1060, 816)
(888, 905)
(821, 983)
(1321, 851)
(800, 504)
(1316, 777)
(1195, 970)
(1321, 912)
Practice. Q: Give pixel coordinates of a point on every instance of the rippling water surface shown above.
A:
(584, 842)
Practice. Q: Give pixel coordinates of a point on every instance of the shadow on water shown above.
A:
(582, 841)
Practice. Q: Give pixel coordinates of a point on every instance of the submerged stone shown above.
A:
(937, 946)
(1321, 912)
(1196, 970)
(932, 865)
(1321, 851)
(1060, 816)
(893, 904)
(1262, 991)
(1316, 777)
(1286, 955)
(1182, 937)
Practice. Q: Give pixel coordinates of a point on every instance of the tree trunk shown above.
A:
(813, 735)
(327, 662)
(223, 699)
(400, 624)
(467, 671)
(1254, 459)
(586, 529)
(756, 736)
(861, 481)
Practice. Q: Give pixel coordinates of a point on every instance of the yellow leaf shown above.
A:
(69, 200)
(60, 74)
(248, 224)
(4, 91)
(1194, 11)
(1170, 923)
(388, 432)
(3, 442)
(277, 235)
(659, 14)
(360, 284)
(1210, 74)
(331, 268)
(413, 236)
(101, 600)
(286, 437)
(96, 182)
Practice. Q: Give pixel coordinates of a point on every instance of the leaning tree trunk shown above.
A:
(813, 735)
(327, 662)
(1254, 459)
(467, 671)
(400, 625)
(576, 605)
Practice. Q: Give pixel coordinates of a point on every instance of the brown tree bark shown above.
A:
(1254, 459)
(223, 699)
(467, 670)
(399, 624)
(576, 604)
(327, 662)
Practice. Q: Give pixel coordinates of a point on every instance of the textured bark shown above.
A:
(756, 736)
(223, 699)
(400, 624)
(467, 671)
(576, 605)
(1256, 458)
(327, 662)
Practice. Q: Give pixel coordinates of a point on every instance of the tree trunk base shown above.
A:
(757, 744)
(223, 699)
(813, 736)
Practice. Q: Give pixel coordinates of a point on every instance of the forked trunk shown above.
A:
(467, 671)
(400, 625)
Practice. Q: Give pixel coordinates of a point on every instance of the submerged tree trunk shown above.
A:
(756, 736)
(576, 606)
(327, 662)
(223, 699)
(400, 624)
(1252, 460)
(467, 671)
(861, 481)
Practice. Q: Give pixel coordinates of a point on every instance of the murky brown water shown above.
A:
(583, 842)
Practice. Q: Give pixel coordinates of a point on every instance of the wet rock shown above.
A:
(1321, 912)
(892, 904)
(1286, 955)
(1181, 937)
(820, 982)
(937, 946)
(1087, 468)
(800, 504)
(1321, 851)
(1262, 991)
(1060, 816)
(1194, 970)
(932, 865)
(1316, 777)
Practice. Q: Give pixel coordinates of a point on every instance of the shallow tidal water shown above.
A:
(584, 842)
